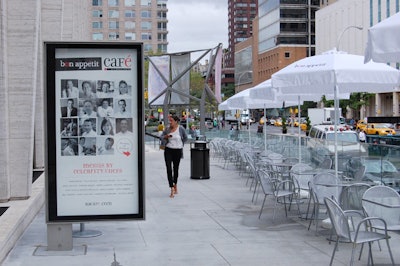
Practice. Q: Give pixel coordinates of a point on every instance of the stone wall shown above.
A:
(25, 25)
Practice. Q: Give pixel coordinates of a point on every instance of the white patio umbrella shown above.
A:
(224, 106)
(243, 100)
(265, 91)
(383, 43)
(334, 73)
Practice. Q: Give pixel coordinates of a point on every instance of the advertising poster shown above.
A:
(95, 132)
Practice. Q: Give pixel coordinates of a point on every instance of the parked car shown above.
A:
(381, 129)
(361, 124)
(302, 124)
(263, 120)
(278, 122)
(322, 144)
(376, 170)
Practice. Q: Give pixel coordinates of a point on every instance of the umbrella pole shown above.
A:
(336, 105)
(248, 129)
(299, 115)
(265, 128)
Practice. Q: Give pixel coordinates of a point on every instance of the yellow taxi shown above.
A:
(381, 129)
(361, 124)
(278, 122)
(303, 126)
(262, 120)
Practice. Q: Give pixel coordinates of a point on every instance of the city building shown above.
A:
(240, 16)
(344, 25)
(131, 20)
(283, 32)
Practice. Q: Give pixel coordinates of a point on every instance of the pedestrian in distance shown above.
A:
(174, 138)
(362, 136)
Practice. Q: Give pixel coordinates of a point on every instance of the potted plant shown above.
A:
(308, 125)
(284, 126)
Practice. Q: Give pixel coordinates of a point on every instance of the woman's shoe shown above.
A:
(176, 189)
(172, 193)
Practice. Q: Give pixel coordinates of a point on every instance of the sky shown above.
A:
(197, 24)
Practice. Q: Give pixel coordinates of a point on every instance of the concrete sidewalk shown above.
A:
(210, 222)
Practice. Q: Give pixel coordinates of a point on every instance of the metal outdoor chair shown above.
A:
(383, 202)
(355, 235)
(282, 191)
(326, 164)
(351, 197)
(359, 174)
(351, 200)
(323, 185)
(296, 172)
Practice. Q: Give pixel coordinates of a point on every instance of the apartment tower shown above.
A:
(240, 16)
(131, 20)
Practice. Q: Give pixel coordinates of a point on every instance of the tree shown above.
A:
(356, 101)
(284, 126)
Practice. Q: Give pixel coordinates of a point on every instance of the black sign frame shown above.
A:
(52, 116)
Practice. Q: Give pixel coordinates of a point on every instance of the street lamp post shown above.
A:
(238, 84)
(343, 31)
(240, 77)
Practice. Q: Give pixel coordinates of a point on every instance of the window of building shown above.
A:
(287, 54)
(293, 27)
(147, 47)
(97, 25)
(113, 14)
(129, 25)
(113, 25)
(146, 14)
(294, 13)
(97, 36)
(113, 36)
(145, 2)
(162, 15)
(145, 25)
(162, 48)
(97, 2)
(130, 36)
(130, 2)
(161, 4)
(146, 36)
(113, 2)
(289, 2)
(97, 13)
(162, 37)
(129, 13)
(161, 26)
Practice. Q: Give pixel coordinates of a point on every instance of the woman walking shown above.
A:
(175, 137)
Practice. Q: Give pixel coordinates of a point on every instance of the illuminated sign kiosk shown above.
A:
(95, 132)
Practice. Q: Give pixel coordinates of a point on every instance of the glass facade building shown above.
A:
(287, 22)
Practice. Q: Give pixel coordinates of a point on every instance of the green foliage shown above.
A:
(308, 124)
(305, 106)
(228, 91)
(196, 86)
(284, 126)
(356, 101)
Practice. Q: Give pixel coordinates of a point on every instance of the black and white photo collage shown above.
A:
(93, 114)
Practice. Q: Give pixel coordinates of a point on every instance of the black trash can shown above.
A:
(199, 160)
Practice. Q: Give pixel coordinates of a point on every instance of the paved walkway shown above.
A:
(210, 222)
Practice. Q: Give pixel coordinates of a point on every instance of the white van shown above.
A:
(322, 142)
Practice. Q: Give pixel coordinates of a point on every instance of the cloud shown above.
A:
(195, 25)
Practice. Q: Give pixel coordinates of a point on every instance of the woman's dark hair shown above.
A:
(175, 117)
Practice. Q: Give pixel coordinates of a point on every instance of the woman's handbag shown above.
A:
(163, 143)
